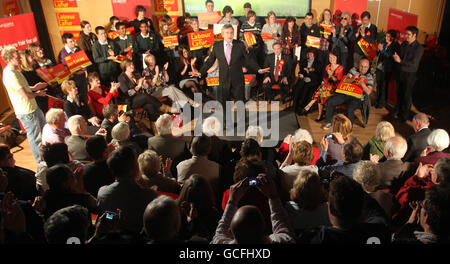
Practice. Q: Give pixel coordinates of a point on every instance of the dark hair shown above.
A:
(92, 76)
(208, 1)
(309, 14)
(71, 221)
(250, 13)
(227, 26)
(392, 32)
(346, 198)
(250, 147)
(111, 19)
(84, 23)
(97, 29)
(276, 43)
(4, 150)
(143, 22)
(119, 24)
(55, 153)
(95, 147)
(248, 168)
(109, 110)
(139, 8)
(201, 145)
(122, 162)
(227, 9)
(285, 32)
(197, 190)
(336, 53)
(365, 14)
(437, 208)
(413, 30)
(353, 151)
(57, 176)
(180, 21)
(247, 5)
(311, 50)
(66, 36)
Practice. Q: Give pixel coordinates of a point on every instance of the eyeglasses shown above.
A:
(344, 18)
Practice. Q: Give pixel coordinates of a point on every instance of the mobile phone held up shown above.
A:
(253, 182)
(110, 216)
(329, 136)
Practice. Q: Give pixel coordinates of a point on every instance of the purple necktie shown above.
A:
(228, 53)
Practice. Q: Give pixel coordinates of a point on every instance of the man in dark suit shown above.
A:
(418, 142)
(231, 55)
(280, 71)
(309, 78)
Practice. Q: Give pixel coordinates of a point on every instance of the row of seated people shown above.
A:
(261, 199)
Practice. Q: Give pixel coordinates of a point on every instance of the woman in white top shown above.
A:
(274, 28)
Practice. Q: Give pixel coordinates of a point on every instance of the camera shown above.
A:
(111, 216)
(329, 136)
(253, 182)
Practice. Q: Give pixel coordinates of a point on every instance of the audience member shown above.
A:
(100, 95)
(247, 7)
(366, 31)
(77, 141)
(221, 151)
(140, 17)
(375, 146)
(68, 223)
(54, 131)
(274, 28)
(326, 37)
(124, 42)
(87, 39)
(105, 53)
(290, 37)
(121, 137)
(300, 135)
(340, 135)
(342, 36)
(37, 53)
(227, 17)
(147, 42)
(308, 28)
(438, 141)
(418, 141)
(69, 47)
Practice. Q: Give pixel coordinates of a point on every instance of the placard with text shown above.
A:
(65, 5)
(170, 41)
(201, 39)
(312, 41)
(350, 86)
(77, 61)
(68, 20)
(60, 72)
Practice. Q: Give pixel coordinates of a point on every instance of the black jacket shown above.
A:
(388, 63)
(315, 75)
(416, 144)
(286, 69)
(370, 36)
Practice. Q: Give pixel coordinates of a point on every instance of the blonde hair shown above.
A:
(67, 85)
(34, 48)
(303, 153)
(147, 59)
(367, 174)
(25, 65)
(7, 53)
(308, 191)
(211, 126)
(162, 23)
(384, 131)
(52, 116)
(302, 134)
(149, 163)
(256, 133)
(343, 125)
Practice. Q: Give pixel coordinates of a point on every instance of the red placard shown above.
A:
(77, 61)
(399, 20)
(201, 39)
(75, 33)
(11, 8)
(60, 72)
(170, 41)
(249, 38)
(124, 9)
(369, 49)
(325, 29)
(205, 19)
(114, 34)
(351, 6)
(17, 31)
(350, 87)
(45, 74)
(266, 36)
(312, 41)
(248, 78)
(69, 20)
(212, 81)
(121, 57)
(166, 6)
(64, 5)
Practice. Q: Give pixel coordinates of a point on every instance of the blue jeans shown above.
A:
(33, 124)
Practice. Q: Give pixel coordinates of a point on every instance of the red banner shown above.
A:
(266, 36)
(369, 49)
(205, 19)
(399, 20)
(250, 39)
(351, 6)
(77, 61)
(45, 74)
(68, 20)
(325, 29)
(350, 87)
(17, 31)
(201, 39)
(60, 72)
(212, 81)
(312, 41)
(65, 5)
(170, 41)
(121, 57)
(248, 78)
(166, 7)
(11, 8)
(114, 34)
(124, 9)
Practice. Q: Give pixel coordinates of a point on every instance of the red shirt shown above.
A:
(100, 100)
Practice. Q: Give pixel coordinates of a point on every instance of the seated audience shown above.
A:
(247, 223)
(340, 135)
(20, 181)
(300, 135)
(418, 141)
(100, 95)
(346, 202)
(77, 141)
(121, 137)
(368, 175)
(125, 193)
(437, 141)
(307, 207)
(155, 174)
(362, 76)
(66, 188)
(428, 223)
(198, 196)
(375, 146)
(68, 222)
(221, 152)
(301, 154)
(112, 117)
(184, 66)
(54, 131)
(97, 173)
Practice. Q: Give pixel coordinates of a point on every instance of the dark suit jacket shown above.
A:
(370, 36)
(316, 75)
(231, 76)
(416, 144)
(77, 147)
(167, 145)
(96, 175)
(71, 108)
(394, 173)
(286, 69)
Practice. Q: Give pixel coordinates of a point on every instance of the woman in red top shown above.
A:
(290, 37)
(99, 95)
(333, 75)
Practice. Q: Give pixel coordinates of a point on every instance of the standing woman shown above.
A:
(290, 37)
(333, 74)
(325, 38)
(386, 65)
(274, 28)
(169, 52)
(130, 94)
(37, 53)
(342, 35)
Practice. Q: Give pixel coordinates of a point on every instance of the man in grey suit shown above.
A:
(418, 142)
(77, 142)
(125, 193)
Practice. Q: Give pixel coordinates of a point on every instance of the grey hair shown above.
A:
(52, 116)
(396, 147)
(74, 122)
(227, 26)
(164, 124)
(367, 174)
(438, 139)
(302, 134)
(120, 131)
(212, 126)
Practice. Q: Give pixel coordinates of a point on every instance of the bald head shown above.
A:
(420, 120)
(395, 148)
(247, 225)
(364, 66)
